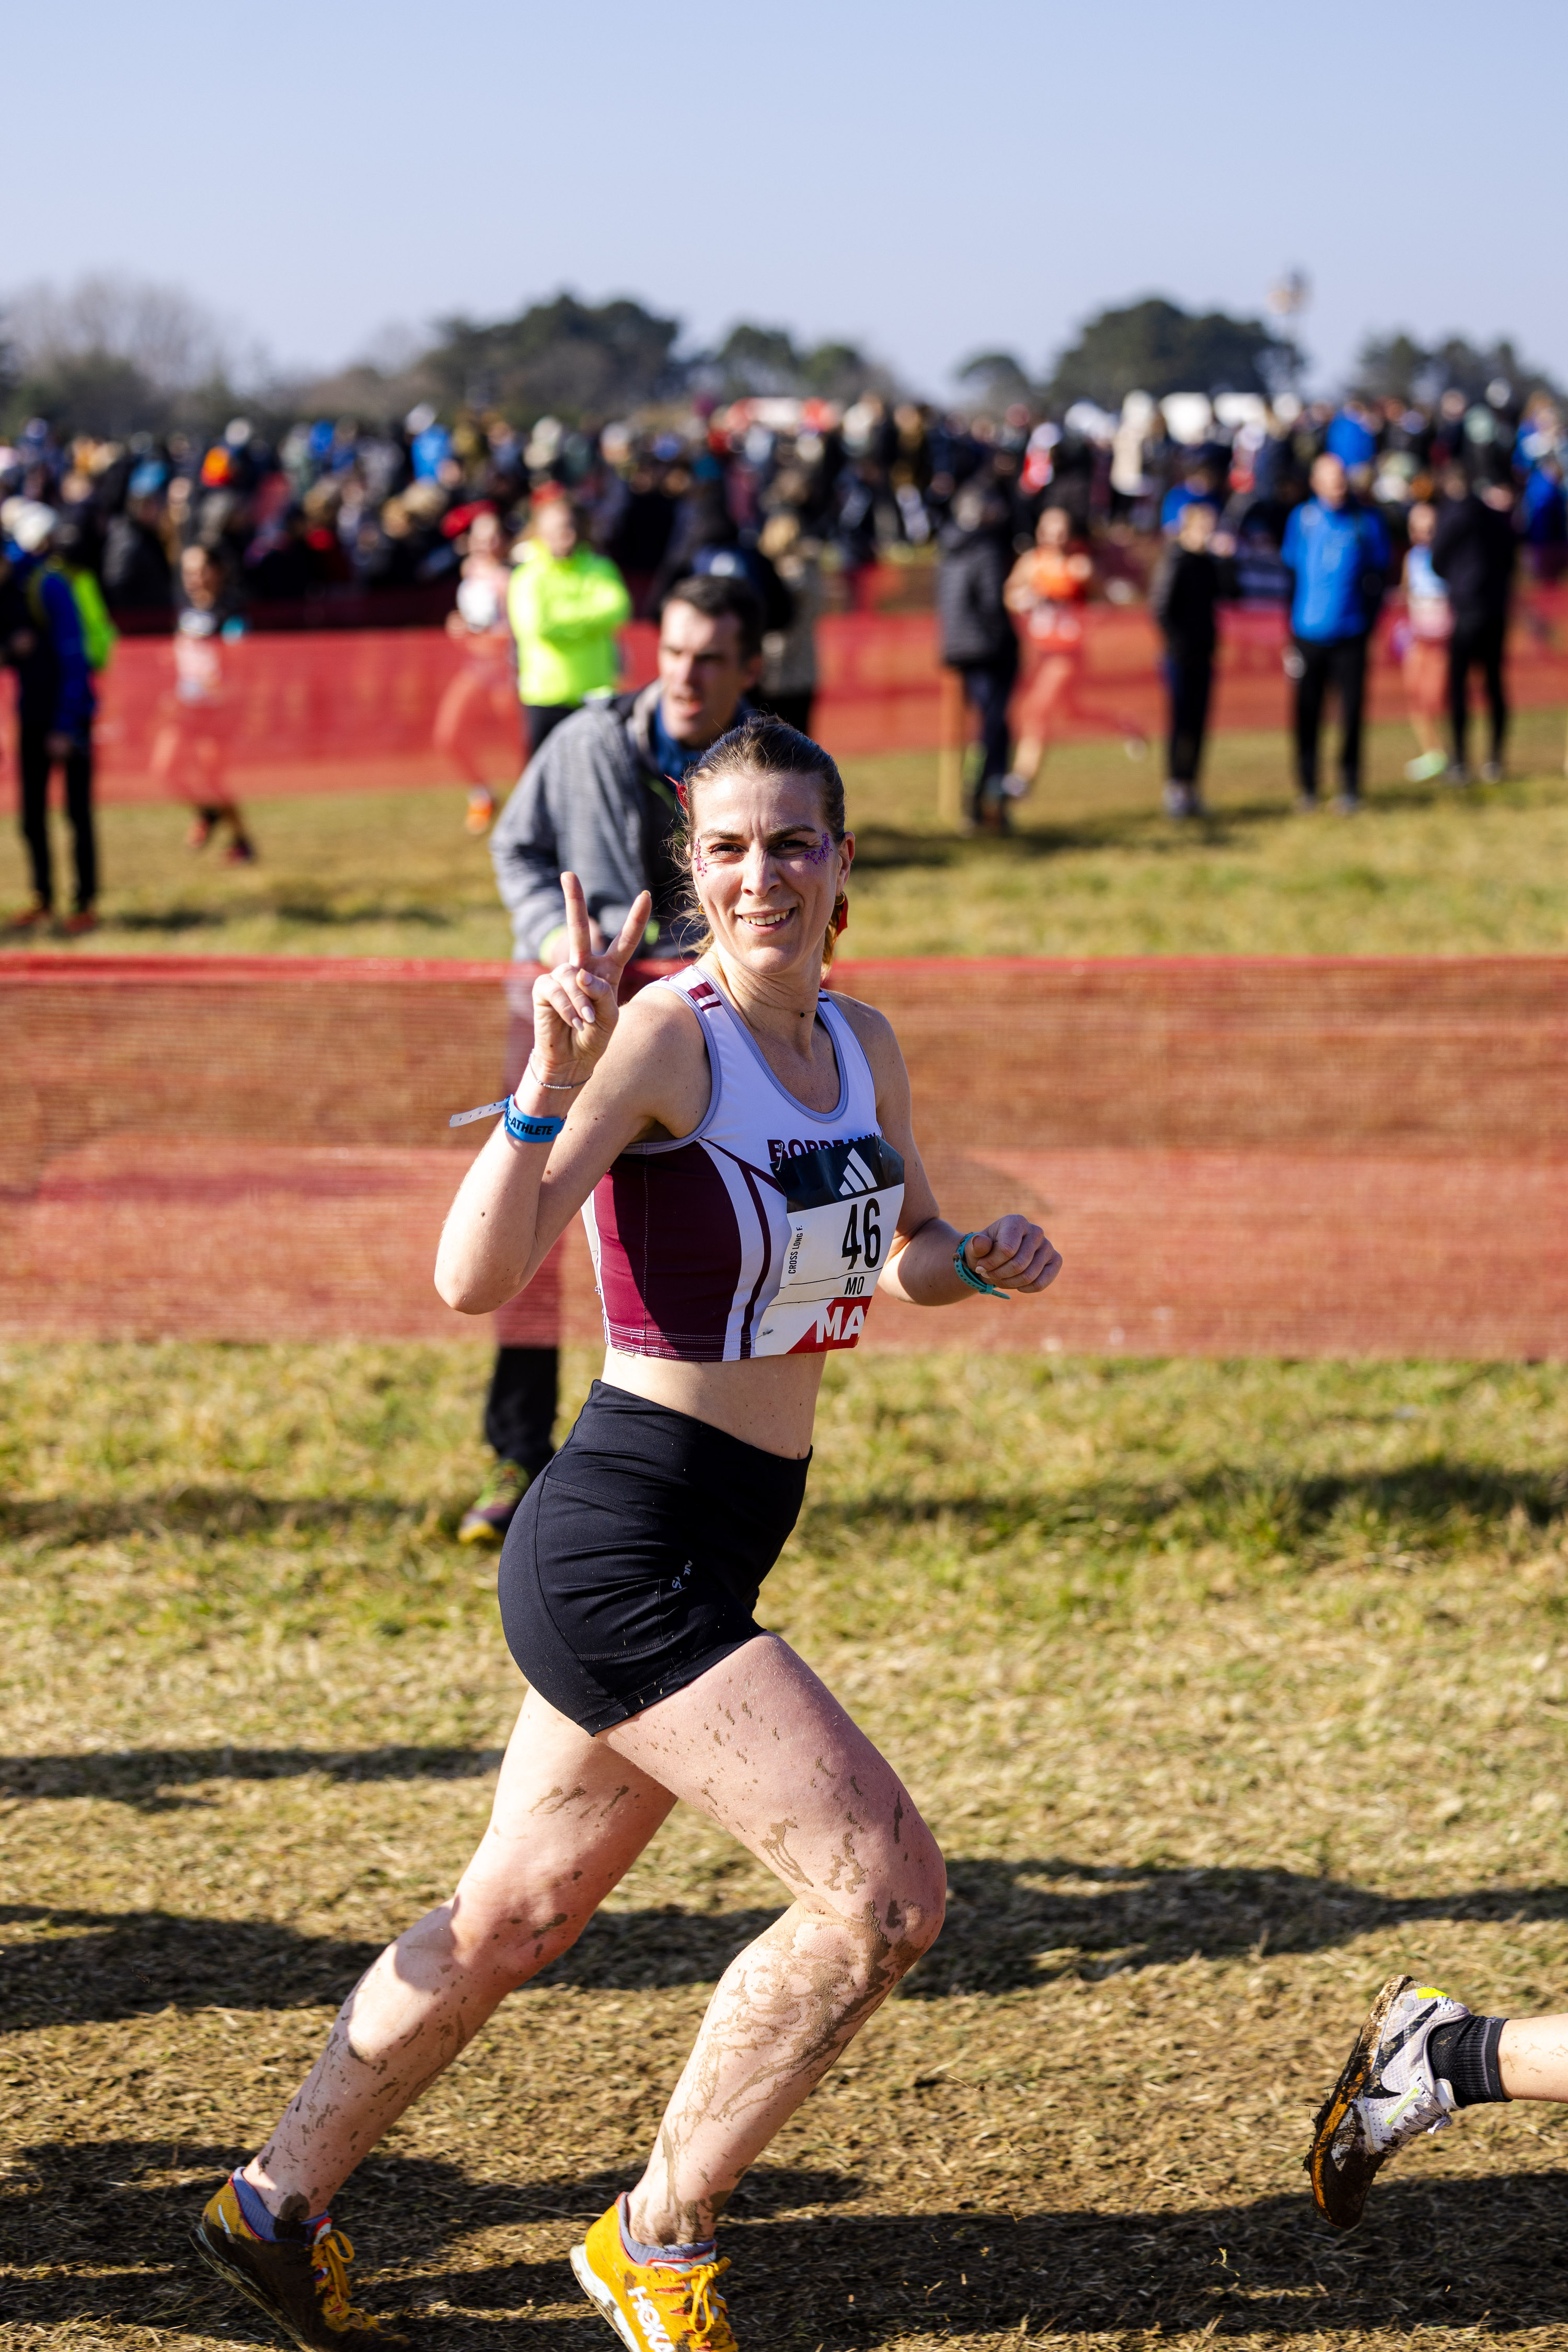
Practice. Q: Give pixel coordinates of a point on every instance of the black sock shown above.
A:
(1464, 2056)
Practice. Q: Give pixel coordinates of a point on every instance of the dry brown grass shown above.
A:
(1227, 1687)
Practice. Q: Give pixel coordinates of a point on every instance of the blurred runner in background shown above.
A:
(485, 685)
(565, 606)
(190, 753)
(1049, 586)
(1427, 626)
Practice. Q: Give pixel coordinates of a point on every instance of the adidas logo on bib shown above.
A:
(857, 1177)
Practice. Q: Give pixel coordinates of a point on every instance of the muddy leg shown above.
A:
(762, 1746)
(570, 1817)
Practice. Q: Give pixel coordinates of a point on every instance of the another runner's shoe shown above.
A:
(302, 2282)
(480, 812)
(492, 1510)
(1385, 2096)
(652, 2306)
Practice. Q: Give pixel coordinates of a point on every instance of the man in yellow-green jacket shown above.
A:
(564, 605)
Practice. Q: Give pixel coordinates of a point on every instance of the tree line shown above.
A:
(113, 358)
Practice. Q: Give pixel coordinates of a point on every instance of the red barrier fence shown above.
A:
(1313, 1156)
(372, 709)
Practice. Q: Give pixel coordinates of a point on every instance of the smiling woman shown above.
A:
(741, 1150)
(751, 749)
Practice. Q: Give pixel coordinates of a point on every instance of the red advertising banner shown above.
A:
(373, 709)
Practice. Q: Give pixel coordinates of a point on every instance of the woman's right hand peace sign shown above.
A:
(575, 1006)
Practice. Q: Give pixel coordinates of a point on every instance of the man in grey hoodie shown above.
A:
(598, 800)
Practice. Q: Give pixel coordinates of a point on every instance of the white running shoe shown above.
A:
(1386, 2094)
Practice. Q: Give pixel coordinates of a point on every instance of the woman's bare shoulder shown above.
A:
(873, 1031)
(659, 1028)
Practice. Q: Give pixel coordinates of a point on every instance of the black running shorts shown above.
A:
(635, 1561)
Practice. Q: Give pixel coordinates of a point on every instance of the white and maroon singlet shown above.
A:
(761, 1232)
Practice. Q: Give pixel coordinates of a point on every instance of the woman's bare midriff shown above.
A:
(769, 1401)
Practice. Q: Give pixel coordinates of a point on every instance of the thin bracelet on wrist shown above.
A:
(549, 1085)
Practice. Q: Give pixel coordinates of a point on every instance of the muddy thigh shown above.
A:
(761, 1746)
(764, 1749)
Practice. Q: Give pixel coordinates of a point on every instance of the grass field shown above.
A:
(1093, 870)
(1226, 1686)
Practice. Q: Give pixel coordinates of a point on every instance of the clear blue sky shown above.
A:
(924, 180)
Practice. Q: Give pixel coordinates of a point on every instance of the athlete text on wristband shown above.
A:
(974, 1280)
(523, 1130)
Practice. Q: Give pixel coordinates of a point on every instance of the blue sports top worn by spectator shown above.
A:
(430, 452)
(1328, 551)
(1175, 504)
(1545, 510)
(674, 758)
(49, 594)
(1348, 439)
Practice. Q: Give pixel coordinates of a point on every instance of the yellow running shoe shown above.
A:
(652, 2306)
(300, 2281)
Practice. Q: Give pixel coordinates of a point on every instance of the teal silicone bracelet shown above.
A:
(967, 1274)
(523, 1130)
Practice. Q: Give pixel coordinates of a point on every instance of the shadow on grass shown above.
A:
(283, 905)
(167, 919)
(1010, 1926)
(199, 1510)
(1430, 1494)
(304, 907)
(1425, 1500)
(144, 1778)
(94, 2235)
(1142, 832)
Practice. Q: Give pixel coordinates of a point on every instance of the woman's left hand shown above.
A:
(1013, 1254)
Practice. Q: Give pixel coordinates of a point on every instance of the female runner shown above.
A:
(740, 1147)
(1049, 585)
(486, 687)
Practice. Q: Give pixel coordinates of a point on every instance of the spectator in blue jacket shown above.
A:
(44, 642)
(1335, 556)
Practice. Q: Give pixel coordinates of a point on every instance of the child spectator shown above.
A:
(1429, 624)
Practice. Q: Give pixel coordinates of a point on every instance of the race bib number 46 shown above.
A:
(841, 1203)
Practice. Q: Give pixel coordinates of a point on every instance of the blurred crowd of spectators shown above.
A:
(340, 508)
